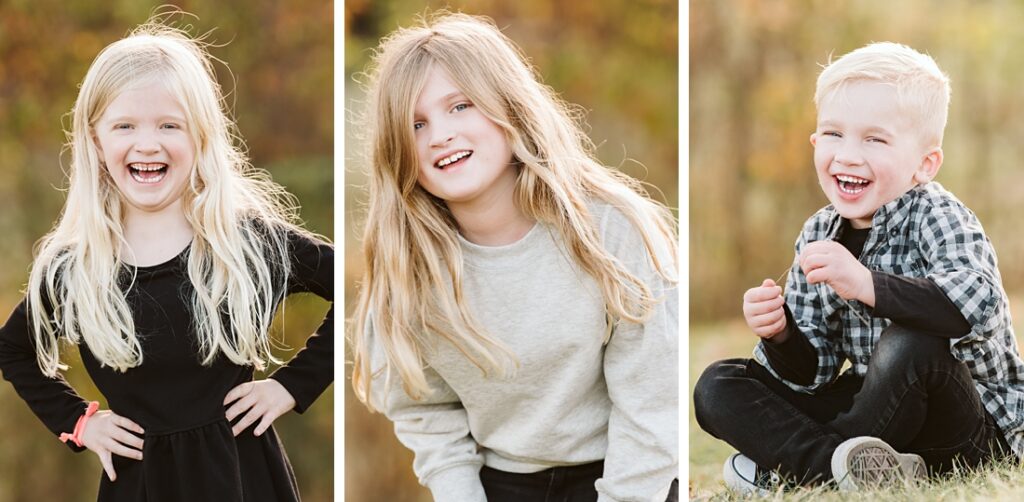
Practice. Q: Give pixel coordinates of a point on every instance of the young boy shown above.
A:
(895, 276)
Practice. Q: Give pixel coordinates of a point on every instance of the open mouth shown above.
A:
(453, 159)
(851, 185)
(148, 173)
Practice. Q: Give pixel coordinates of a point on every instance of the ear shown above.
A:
(96, 142)
(814, 139)
(929, 166)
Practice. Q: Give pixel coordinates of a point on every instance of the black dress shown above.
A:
(189, 452)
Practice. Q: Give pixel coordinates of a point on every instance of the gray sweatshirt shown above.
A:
(573, 399)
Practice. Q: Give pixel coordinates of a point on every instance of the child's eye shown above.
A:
(170, 126)
(834, 134)
(416, 126)
(461, 106)
(877, 140)
(122, 126)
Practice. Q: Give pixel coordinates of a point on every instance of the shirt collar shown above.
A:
(888, 219)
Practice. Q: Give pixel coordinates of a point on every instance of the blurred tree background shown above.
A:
(617, 59)
(280, 88)
(753, 67)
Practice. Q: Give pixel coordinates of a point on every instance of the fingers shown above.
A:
(767, 318)
(239, 391)
(250, 418)
(240, 406)
(127, 424)
(771, 304)
(108, 464)
(261, 401)
(118, 448)
(772, 327)
(818, 247)
(762, 293)
(264, 423)
(124, 437)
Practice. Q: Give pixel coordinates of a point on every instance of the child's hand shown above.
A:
(108, 433)
(264, 400)
(831, 263)
(762, 308)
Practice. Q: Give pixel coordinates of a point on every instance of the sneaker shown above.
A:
(868, 462)
(744, 477)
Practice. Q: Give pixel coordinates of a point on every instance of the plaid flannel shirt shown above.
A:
(927, 232)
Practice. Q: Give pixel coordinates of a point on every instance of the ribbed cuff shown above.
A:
(460, 483)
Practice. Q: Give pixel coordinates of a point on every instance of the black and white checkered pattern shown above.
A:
(927, 232)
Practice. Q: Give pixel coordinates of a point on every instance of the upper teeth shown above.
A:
(851, 179)
(452, 158)
(147, 167)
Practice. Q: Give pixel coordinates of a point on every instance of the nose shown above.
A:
(440, 134)
(848, 153)
(147, 143)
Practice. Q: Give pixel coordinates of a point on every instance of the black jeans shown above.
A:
(916, 396)
(558, 484)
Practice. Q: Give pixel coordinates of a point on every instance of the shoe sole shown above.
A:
(868, 462)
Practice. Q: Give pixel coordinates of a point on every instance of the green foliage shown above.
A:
(278, 73)
(617, 59)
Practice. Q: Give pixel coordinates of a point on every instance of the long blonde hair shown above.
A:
(412, 285)
(238, 259)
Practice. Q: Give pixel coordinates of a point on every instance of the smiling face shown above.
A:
(464, 157)
(144, 141)
(866, 151)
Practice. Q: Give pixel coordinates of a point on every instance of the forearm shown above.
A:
(918, 303)
(792, 357)
(311, 371)
(641, 369)
(52, 400)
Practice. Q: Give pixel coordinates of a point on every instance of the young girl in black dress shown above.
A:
(166, 268)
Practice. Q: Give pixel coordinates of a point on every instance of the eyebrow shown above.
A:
(448, 98)
(869, 129)
(129, 118)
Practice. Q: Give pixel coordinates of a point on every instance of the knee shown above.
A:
(712, 392)
(899, 347)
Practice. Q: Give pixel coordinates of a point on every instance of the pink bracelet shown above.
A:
(76, 436)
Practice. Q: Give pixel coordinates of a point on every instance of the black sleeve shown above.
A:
(793, 359)
(56, 404)
(311, 371)
(917, 303)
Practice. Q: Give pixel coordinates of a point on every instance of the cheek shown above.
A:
(822, 159)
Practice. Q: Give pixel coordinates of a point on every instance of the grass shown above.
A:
(709, 343)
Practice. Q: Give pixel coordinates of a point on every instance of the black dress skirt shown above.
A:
(189, 452)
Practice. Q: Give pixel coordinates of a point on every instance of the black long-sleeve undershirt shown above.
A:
(914, 302)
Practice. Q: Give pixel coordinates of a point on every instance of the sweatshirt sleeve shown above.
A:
(56, 404)
(641, 368)
(436, 429)
(311, 370)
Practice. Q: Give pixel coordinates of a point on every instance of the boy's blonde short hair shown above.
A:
(922, 89)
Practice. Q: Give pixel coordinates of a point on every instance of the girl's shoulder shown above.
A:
(295, 236)
(632, 230)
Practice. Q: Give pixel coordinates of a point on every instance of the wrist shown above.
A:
(779, 337)
(867, 294)
(76, 435)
